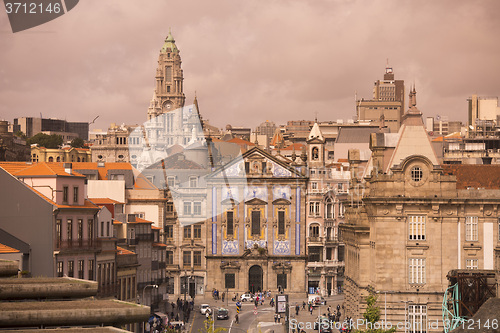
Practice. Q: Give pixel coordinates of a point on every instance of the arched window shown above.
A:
(329, 210)
(314, 230)
(51, 159)
(58, 159)
(315, 153)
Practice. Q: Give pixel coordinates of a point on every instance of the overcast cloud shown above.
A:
(250, 61)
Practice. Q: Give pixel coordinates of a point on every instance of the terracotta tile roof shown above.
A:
(104, 201)
(240, 142)
(7, 249)
(103, 171)
(117, 222)
(13, 167)
(122, 251)
(46, 169)
(155, 228)
(139, 220)
(474, 175)
(159, 244)
(177, 161)
(87, 204)
(298, 147)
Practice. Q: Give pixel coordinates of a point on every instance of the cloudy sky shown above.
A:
(250, 61)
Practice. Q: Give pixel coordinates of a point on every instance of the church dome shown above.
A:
(169, 44)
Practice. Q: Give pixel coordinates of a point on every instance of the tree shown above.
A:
(45, 140)
(372, 316)
(77, 143)
(209, 326)
(20, 134)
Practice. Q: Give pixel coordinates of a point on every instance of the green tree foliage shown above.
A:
(45, 140)
(20, 134)
(208, 326)
(372, 316)
(77, 143)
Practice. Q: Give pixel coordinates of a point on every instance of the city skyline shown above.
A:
(249, 62)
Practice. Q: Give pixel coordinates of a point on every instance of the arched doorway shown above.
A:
(255, 279)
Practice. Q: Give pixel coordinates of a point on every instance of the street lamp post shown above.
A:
(143, 290)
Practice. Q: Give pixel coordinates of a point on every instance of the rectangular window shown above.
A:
(197, 208)
(230, 280)
(102, 228)
(65, 194)
(281, 222)
(193, 181)
(169, 260)
(75, 194)
(80, 230)
(60, 269)
(315, 254)
(90, 226)
(187, 207)
(58, 233)
(108, 225)
(168, 74)
(197, 258)
(187, 232)
(170, 181)
(471, 228)
(417, 318)
(197, 231)
(170, 207)
(230, 223)
(416, 224)
(70, 230)
(80, 269)
(281, 281)
(471, 264)
(71, 268)
(314, 186)
(256, 222)
(186, 258)
(416, 271)
(169, 231)
(90, 267)
(314, 208)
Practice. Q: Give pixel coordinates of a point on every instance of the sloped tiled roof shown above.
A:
(102, 171)
(176, 162)
(159, 244)
(7, 249)
(122, 251)
(355, 134)
(13, 167)
(46, 169)
(475, 175)
(104, 201)
(298, 147)
(139, 220)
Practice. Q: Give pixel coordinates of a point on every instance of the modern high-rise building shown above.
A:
(387, 105)
(32, 126)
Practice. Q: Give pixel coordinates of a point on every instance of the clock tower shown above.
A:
(169, 88)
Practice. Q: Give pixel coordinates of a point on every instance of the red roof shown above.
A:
(46, 169)
(104, 201)
(122, 251)
(475, 175)
(159, 244)
(297, 146)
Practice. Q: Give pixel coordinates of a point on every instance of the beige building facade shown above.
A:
(411, 221)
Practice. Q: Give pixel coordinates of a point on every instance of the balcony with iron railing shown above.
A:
(314, 240)
(78, 244)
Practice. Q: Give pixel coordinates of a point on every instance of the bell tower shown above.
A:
(169, 88)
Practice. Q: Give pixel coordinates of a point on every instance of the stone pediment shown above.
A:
(281, 201)
(230, 202)
(255, 201)
(230, 265)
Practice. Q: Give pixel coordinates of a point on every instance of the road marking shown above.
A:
(191, 328)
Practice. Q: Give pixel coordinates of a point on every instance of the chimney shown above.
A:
(67, 167)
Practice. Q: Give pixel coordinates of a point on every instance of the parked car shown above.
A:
(316, 300)
(246, 297)
(204, 308)
(222, 314)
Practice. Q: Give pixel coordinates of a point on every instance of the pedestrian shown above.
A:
(297, 308)
(311, 309)
(338, 307)
(279, 318)
(223, 296)
(237, 319)
(303, 305)
(275, 318)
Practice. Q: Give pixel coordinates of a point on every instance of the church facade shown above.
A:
(256, 233)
